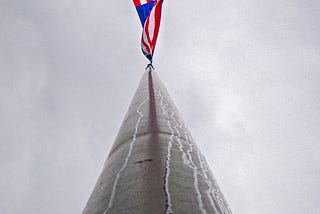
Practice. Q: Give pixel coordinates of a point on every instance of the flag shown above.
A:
(149, 12)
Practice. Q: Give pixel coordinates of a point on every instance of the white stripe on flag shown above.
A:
(143, 2)
(145, 39)
(151, 26)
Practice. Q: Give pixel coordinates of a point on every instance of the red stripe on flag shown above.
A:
(157, 11)
(145, 45)
(137, 3)
(145, 28)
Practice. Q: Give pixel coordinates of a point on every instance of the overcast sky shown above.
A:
(245, 75)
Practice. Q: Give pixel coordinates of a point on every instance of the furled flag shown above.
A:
(149, 12)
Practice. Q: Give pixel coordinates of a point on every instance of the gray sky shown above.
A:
(245, 76)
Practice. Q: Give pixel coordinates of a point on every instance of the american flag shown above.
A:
(149, 12)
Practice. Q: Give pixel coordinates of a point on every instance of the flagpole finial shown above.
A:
(150, 66)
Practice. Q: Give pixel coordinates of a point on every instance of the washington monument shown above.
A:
(154, 165)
